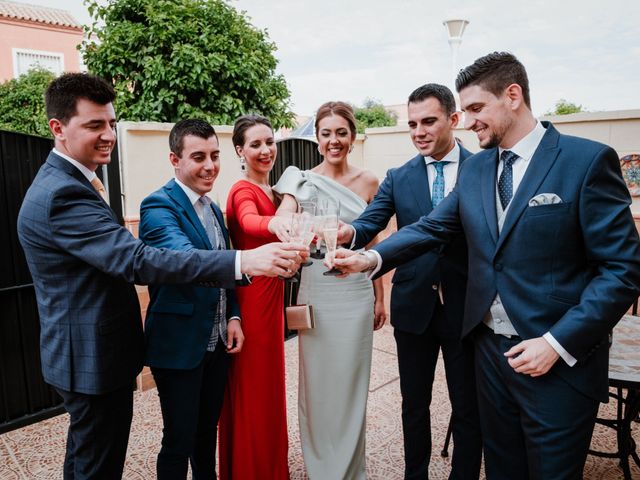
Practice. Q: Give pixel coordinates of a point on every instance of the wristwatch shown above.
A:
(372, 261)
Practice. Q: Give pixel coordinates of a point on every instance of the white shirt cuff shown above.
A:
(378, 266)
(566, 356)
(353, 238)
(238, 265)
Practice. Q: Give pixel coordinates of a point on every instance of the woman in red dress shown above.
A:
(253, 423)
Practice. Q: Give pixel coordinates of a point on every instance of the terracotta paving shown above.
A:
(36, 452)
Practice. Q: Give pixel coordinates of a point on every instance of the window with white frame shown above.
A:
(25, 60)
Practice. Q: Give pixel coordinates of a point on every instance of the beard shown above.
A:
(492, 142)
(497, 135)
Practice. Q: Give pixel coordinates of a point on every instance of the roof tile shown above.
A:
(37, 13)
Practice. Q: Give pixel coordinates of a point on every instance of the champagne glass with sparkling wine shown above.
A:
(302, 224)
(330, 233)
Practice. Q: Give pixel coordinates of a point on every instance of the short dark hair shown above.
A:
(342, 109)
(190, 126)
(62, 94)
(495, 72)
(437, 91)
(244, 123)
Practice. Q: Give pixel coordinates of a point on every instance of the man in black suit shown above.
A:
(428, 294)
(84, 265)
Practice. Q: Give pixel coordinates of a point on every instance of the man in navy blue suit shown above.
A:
(189, 329)
(427, 298)
(84, 264)
(554, 262)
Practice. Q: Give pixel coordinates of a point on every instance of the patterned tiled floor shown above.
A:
(36, 452)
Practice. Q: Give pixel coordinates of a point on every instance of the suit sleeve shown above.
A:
(377, 214)
(431, 232)
(82, 225)
(244, 204)
(233, 309)
(612, 249)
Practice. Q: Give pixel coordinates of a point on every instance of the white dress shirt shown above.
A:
(89, 174)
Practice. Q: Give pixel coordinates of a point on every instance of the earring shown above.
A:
(319, 150)
(351, 148)
(243, 164)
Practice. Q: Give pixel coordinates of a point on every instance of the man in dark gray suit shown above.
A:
(84, 265)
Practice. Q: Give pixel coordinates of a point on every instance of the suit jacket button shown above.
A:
(498, 267)
(434, 286)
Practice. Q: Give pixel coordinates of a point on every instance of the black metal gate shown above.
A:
(300, 152)
(24, 397)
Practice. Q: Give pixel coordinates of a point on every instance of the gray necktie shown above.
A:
(210, 223)
(214, 232)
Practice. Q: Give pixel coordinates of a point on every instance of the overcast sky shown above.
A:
(585, 51)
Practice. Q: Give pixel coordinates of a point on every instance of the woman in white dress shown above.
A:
(335, 356)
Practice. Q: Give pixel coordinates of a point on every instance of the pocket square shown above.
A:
(544, 199)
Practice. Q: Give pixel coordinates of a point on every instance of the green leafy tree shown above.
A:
(173, 59)
(373, 114)
(564, 107)
(22, 103)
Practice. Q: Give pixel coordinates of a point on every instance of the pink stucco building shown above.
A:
(31, 35)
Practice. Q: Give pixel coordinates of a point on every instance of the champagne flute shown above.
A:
(330, 234)
(318, 224)
(307, 207)
(328, 208)
(292, 238)
(302, 228)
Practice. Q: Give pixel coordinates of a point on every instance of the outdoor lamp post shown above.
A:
(455, 29)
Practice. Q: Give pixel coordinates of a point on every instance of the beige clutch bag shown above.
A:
(299, 317)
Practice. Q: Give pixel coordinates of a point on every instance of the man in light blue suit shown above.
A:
(427, 299)
(189, 329)
(84, 265)
(554, 262)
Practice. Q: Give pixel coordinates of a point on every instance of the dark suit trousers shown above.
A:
(534, 428)
(417, 358)
(190, 401)
(98, 433)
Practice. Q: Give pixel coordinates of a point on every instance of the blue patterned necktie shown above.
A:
(216, 238)
(437, 189)
(505, 182)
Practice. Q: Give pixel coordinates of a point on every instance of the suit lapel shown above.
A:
(542, 161)
(488, 191)
(178, 195)
(419, 184)
(60, 163)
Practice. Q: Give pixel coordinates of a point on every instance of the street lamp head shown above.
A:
(455, 28)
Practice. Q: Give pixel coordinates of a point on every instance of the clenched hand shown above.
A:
(532, 357)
